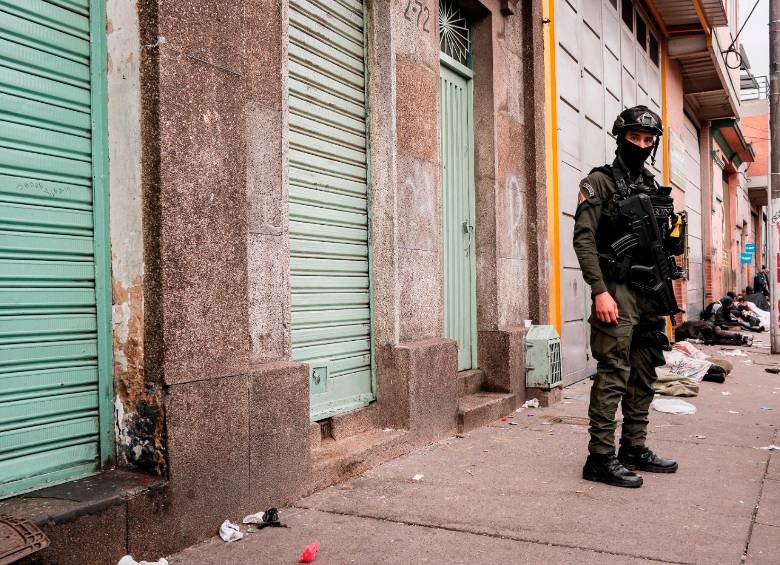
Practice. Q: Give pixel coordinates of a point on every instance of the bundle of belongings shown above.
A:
(686, 366)
(757, 298)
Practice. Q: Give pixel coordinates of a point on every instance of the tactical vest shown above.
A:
(613, 226)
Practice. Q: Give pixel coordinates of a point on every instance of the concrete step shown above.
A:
(471, 381)
(336, 461)
(479, 409)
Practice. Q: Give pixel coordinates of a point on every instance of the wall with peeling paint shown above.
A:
(137, 415)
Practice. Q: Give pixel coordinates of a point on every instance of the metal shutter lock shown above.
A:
(542, 357)
(319, 380)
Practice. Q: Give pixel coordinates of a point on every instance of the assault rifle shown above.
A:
(655, 278)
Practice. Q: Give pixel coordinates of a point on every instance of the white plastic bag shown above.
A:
(229, 532)
(673, 406)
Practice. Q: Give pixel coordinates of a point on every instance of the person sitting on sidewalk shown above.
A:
(746, 315)
(724, 316)
(709, 333)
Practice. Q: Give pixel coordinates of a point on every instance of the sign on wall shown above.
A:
(676, 159)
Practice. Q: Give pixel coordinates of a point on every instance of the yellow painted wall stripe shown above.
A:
(664, 115)
(665, 139)
(551, 158)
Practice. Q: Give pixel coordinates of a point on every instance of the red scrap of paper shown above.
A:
(504, 420)
(309, 553)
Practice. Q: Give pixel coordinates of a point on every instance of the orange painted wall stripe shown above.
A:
(664, 114)
(665, 139)
(551, 158)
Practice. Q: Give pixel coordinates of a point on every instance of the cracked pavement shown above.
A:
(513, 493)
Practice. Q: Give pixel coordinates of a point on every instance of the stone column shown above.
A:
(217, 251)
(406, 220)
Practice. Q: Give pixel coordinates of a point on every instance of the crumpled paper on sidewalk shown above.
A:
(682, 373)
(734, 353)
(690, 350)
(673, 406)
(682, 365)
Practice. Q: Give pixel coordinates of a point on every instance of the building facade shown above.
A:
(679, 59)
(254, 248)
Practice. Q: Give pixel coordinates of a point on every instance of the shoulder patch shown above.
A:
(586, 190)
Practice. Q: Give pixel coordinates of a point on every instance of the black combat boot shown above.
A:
(607, 469)
(642, 459)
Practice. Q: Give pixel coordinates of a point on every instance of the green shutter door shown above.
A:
(331, 314)
(49, 409)
(457, 161)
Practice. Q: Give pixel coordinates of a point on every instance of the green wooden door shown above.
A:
(457, 163)
(53, 265)
(328, 203)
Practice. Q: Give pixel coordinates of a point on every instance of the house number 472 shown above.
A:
(416, 12)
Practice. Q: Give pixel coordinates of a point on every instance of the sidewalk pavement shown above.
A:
(513, 494)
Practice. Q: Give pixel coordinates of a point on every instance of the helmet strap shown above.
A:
(655, 149)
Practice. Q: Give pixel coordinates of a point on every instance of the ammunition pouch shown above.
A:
(650, 337)
(663, 207)
(614, 269)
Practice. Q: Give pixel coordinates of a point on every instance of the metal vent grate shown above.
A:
(555, 360)
(542, 357)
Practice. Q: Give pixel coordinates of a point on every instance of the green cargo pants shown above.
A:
(626, 371)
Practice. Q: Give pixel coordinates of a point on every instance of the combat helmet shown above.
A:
(639, 118)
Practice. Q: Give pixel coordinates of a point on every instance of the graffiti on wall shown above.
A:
(418, 13)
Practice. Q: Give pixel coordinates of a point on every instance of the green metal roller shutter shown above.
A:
(331, 314)
(49, 387)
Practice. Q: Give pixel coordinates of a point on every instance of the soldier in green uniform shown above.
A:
(627, 324)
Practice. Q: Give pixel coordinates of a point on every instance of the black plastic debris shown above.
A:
(271, 520)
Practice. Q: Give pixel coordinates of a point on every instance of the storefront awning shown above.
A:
(677, 14)
(695, 33)
(729, 137)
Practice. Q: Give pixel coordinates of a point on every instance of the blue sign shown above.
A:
(746, 258)
(750, 247)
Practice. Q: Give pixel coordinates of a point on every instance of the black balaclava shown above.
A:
(632, 155)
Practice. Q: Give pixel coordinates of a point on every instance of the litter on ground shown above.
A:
(128, 560)
(309, 553)
(734, 353)
(418, 477)
(265, 519)
(254, 518)
(230, 532)
(733, 412)
(725, 393)
(673, 406)
(772, 447)
(533, 403)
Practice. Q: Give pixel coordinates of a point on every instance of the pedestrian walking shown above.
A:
(625, 236)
